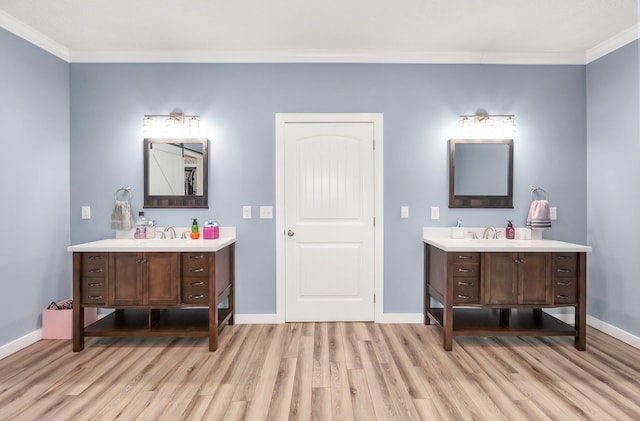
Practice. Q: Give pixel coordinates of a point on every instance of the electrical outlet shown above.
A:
(404, 212)
(266, 212)
(553, 213)
(246, 212)
(86, 212)
(435, 212)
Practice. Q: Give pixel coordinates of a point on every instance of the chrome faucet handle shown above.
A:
(184, 234)
(474, 235)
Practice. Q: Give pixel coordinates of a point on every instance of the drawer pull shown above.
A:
(94, 284)
(563, 270)
(464, 297)
(196, 297)
(197, 284)
(562, 297)
(196, 256)
(462, 256)
(99, 270)
(95, 297)
(196, 270)
(463, 283)
(563, 257)
(95, 257)
(463, 270)
(562, 283)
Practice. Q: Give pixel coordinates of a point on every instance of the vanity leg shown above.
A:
(581, 309)
(77, 311)
(427, 295)
(447, 328)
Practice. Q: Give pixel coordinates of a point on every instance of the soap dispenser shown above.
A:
(510, 231)
(195, 234)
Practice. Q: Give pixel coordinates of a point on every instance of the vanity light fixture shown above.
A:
(486, 120)
(173, 119)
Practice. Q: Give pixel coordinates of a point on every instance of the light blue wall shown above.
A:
(613, 163)
(35, 267)
(238, 103)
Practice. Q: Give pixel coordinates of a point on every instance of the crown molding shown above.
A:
(305, 56)
(613, 43)
(36, 38)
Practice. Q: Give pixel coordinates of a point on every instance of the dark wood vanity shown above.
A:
(154, 293)
(502, 293)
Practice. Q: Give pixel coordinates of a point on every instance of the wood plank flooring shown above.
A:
(324, 371)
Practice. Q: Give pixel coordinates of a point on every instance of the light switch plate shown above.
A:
(435, 212)
(404, 212)
(266, 212)
(246, 212)
(553, 213)
(86, 212)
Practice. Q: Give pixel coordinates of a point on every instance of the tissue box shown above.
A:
(58, 324)
(211, 233)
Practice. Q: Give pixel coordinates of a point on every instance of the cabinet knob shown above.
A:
(291, 233)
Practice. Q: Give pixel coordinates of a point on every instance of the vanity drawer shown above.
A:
(94, 297)
(565, 265)
(195, 264)
(466, 291)
(467, 270)
(464, 257)
(565, 291)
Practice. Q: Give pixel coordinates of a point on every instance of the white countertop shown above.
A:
(441, 238)
(227, 236)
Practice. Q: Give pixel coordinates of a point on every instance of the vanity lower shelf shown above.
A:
(165, 322)
(490, 322)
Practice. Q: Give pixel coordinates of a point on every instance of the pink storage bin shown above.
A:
(211, 233)
(58, 324)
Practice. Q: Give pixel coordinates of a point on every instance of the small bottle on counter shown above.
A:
(141, 226)
(510, 231)
(151, 229)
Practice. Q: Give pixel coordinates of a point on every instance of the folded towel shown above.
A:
(122, 217)
(539, 215)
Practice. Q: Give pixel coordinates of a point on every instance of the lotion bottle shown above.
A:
(510, 231)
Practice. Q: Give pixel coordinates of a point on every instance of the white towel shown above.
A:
(539, 217)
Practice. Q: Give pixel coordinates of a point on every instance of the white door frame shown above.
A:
(376, 119)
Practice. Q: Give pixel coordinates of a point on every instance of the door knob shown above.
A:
(290, 233)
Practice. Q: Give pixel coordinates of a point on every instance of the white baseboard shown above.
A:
(616, 332)
(20, 343)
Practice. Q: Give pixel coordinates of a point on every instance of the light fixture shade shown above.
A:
(194, 122)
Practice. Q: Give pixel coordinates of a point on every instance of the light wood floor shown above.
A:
(323, 371)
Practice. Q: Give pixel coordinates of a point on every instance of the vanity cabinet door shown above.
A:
(161, 279)
(125, 274)
(500, 278)
(144, 279)
(534, 278)
(517, 279)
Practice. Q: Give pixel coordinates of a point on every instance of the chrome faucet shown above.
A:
(170, 230)
(488, 231)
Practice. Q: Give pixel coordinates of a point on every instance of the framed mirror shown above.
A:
(481, 173)
(175, 173)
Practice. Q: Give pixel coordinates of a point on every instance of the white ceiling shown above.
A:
(403, 31)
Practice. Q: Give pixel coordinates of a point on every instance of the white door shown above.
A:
(329, 221)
